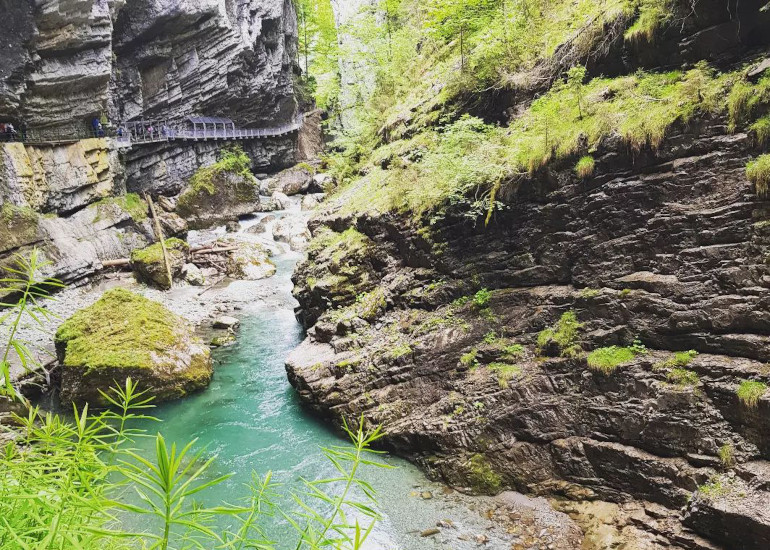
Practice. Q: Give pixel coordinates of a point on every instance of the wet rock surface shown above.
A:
(668, 248)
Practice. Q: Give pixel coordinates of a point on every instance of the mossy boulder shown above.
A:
(150, 268)
(124, 334)
(220, 192)
(291, 181)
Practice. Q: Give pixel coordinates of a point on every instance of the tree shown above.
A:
(575, 77)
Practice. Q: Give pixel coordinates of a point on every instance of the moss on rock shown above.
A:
(150, 268)
(124, 334)
(220, 192)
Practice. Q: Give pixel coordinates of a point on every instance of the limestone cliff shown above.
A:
(67, 61)
(447, 331)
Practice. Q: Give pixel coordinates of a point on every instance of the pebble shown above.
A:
(430, 532)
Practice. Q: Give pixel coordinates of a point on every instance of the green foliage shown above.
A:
(153, 254)
(585, 167)
(400, 350)
(66, 482)
(206, 179)
(727, 455)
(564, 335)
(505, 372)
(608, 359)
(469, 359)
(318, 51)
(750, 392)
(762, 129)
(25, 282)
(718, 486)
(758, 173)
(514, 350)
(482, 477)
(680, 359)
(653, 14)
(121, 329)
(745, 99)
(370, 304)
(481, 299)
(683, 377)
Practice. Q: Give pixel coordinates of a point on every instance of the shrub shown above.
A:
(683, 378)
(585, 167)
(606, 360)
(564, 335)
(750, 392)
(514, 350)
(481, 299)
(758, 173)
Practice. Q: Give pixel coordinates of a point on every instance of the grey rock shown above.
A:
(226, 322)
(193, 275)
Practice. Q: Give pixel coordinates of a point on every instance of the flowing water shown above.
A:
(251, 418)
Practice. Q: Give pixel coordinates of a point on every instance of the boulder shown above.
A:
(293, 231)
(172, 224)
(291, 181)
(249, 262)
(281, 201)
(192, 275)
(126, 335)
(309, 202)
(321, 183)
(232, 226)
(226, 322)
(220, 192)
(261, 226)
(150, 268)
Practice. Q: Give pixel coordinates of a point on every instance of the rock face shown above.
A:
(229, 59)
(57, 68)
(125, 335)
(70, 202)
(671, 251)
(434, 331)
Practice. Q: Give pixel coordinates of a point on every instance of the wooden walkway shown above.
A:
(137, 132)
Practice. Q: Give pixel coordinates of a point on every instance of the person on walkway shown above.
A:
(95, 125)
(23, 129)
(10, 132)
(150, 130)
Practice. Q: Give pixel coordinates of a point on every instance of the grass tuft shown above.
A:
(750, 392)
(608, 359)
(683, 378)
(758, 173)
(585, 167)
(505, 372)
(564, 334)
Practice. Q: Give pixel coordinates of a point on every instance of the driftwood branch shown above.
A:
(159, 233)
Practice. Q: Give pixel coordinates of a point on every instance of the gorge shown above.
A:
(526, 238)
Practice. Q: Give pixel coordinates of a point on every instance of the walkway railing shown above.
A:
(138, 133)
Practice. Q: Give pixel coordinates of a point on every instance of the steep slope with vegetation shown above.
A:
(545, 264)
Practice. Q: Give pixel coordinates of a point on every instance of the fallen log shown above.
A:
(120, 262)
(213, 250)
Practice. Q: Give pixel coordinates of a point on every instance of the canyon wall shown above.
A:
(437, 328)
(68, 61)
